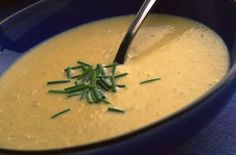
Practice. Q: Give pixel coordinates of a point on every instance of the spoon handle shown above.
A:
(132, 30)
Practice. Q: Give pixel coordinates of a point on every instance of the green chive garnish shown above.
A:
(86, 71)
(105, 82)
(76, 89)
(77, 82)
(102, 94)
(58, 82)
(73, 87)
(121, 75)
(74, 94)
(114, 68)
(150, 80)
(115, 109)
(121, 85)
(92, 83)
(68, 72)
(109, 66)
(113, 86)
(86, 78)
(101, 69)
(102, 85)
(97, 94)
(83, 63)
(89, 97)
(76, 67)
(60, 113)
(57, 91)
(105, 101)
(104, 76)
(82, 95)
(93, 78)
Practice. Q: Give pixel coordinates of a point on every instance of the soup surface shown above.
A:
(187, 56)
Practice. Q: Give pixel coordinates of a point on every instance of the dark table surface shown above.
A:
(217, 138)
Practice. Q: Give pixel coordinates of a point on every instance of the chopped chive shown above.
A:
(115, 109)
(68, 72)
(121, 75)
(57, 91)
(86, 78)
(101, 69)
(114, 68)
(102, 85)
(84, 67)
(105, 101)
(121, 85)
(94, 97)
(97, 94)
(76, 67)
(109, 66)
(93, 78)
(150, 80)
(73, 87)
(102, 94)
(83, 63)
(60, 113)
(58, 82)
(80, 88)
(113, 86)
(76, 76)
(82, 95)
(77, 82)
(89, 97)
(74, 94)
(91, 83)
(105, 82)
(104, 76)
(86, 71)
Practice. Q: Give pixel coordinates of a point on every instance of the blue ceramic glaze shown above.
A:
(34, 24)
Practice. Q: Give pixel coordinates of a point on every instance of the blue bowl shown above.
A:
(46, 18)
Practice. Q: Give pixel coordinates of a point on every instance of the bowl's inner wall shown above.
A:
(51, 17)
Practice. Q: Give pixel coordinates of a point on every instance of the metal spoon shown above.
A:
(132, 30)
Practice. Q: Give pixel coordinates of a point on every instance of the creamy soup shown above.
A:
(187, 56)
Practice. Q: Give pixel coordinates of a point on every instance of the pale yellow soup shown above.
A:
(187, 56)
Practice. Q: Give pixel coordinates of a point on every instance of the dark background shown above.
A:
(5, 4)
(9, 6)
